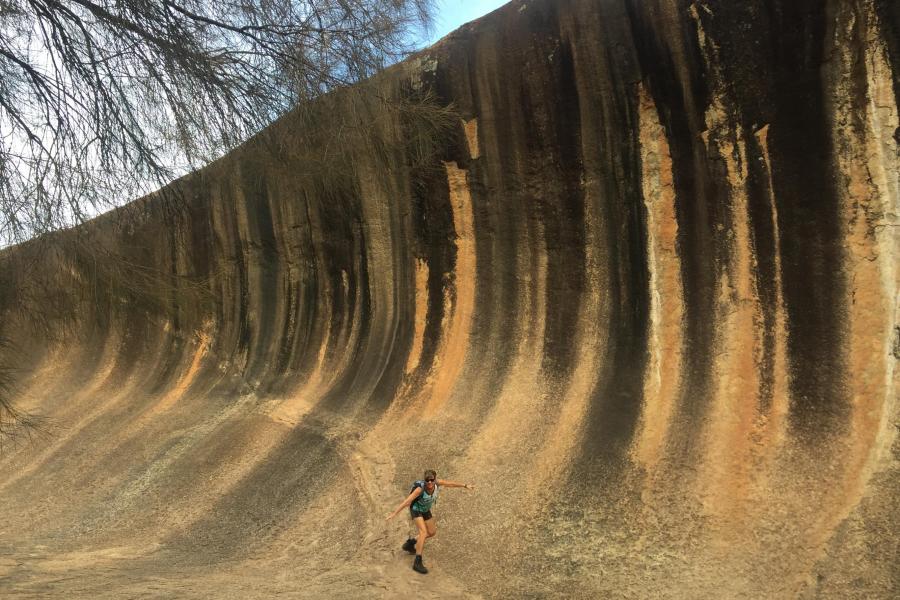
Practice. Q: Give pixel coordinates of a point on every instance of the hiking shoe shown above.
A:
(410, 546)
(419, 567)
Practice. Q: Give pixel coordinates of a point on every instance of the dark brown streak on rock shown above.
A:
(888, 12)
(294, 265)
(562, 213)
(234, 340)
(762, 238)
(616, 400)
(742, 32)
(262, 253)
(398, 333)
(311, 328)
(814, 285)
(358, 368)
(432, 226)
(497, 234)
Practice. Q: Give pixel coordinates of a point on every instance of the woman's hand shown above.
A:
(469, 486)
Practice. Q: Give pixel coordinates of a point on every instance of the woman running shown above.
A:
(421, 499)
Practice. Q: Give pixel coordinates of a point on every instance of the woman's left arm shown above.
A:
(452, 484)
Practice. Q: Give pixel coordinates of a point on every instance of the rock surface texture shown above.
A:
(644, 295)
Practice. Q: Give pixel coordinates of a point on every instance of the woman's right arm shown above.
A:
(409, 500)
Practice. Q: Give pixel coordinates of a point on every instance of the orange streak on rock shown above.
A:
(726, 472)
(739, 341)
(421, 315)
(81, 408)
(290, 410)
(666, 296)
(31, 392)
(471, 129)
(185, 381)
(460, 299)
(869, 161)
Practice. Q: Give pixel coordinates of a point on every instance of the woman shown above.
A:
(420, 501)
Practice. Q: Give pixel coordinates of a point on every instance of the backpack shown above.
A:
(421, 484)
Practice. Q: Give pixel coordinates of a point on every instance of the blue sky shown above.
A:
(451, 14)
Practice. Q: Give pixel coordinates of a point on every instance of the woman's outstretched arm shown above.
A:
(409, 500)
(451, 484)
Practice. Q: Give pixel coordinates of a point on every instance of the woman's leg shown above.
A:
(426, 530)
(423, 534)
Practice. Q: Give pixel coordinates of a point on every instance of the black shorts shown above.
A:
(414, 513)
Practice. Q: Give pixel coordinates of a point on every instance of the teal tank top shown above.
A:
(425, 500)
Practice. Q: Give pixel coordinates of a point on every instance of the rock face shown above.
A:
(644, 295)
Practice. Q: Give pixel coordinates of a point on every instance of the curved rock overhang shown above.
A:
(644, 293)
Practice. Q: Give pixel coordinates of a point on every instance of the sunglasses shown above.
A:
(429, 481)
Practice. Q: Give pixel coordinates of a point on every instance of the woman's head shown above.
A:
(430, 476)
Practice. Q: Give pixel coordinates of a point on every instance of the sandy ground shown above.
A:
(371, 572)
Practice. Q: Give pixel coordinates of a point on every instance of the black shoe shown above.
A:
(419, 567)
(410, 546)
